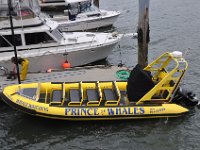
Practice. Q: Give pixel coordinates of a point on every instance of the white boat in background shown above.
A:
(79, 15)
(46, 47)
(24, 14)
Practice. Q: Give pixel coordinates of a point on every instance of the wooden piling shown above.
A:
(143, 32)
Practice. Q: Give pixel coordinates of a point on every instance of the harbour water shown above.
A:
(174, 26)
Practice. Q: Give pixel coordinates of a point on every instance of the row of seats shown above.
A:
(100, 94)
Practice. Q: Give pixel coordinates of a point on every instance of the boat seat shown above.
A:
(29, 93)
(109, 94)
(139, 83)
(74, 97)
(112, 96)
(93, 97)
(56, 97)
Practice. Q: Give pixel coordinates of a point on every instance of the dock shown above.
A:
(87, 73)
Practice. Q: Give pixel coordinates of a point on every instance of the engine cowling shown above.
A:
(185, 98)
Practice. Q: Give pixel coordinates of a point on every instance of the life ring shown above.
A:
(123, 74)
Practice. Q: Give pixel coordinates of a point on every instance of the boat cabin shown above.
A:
(28, 38)
(73, 8)
(80, 8)
(19, 8)
(23, 13)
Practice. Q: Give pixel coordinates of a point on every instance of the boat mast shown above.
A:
(143, 33)
(10, 12)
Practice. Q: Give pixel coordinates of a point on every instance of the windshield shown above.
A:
(56, 33)
(87, 7)
(81, 7)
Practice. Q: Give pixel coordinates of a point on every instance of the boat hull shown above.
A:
(106, 100)
(54, 60)
(88, 23)
(96, 113)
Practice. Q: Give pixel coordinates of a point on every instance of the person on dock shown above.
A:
(24, 69)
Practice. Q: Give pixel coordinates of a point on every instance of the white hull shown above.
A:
(79, 15)
(82, 24)
(78, 48)
(55, 60)
(47, 48)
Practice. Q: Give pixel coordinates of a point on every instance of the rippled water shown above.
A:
(174, 25)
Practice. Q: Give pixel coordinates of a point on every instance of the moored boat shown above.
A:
(39, 40)
(78, 15)
(148, 93)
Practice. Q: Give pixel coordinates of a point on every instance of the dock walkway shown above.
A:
(87, 73)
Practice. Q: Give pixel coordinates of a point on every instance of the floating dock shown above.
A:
(87, 73)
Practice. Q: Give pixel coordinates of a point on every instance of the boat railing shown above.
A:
(38, 91)
(63, 92)
(47, 96)
(166, 82)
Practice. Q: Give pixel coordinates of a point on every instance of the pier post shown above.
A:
(10, 8)
(143, 33)
(96, 3)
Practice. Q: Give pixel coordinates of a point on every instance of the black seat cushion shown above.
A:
(139, 83)
(57, 96)
(109, 94)
(92, 95)
(74, 95)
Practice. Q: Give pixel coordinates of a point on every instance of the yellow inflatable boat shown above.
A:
(149, 93)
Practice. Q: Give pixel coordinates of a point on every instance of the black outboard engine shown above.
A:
(185, 98)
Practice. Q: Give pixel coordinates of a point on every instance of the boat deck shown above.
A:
(88, 73)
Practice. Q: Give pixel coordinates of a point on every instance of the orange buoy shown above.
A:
(66, 65)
